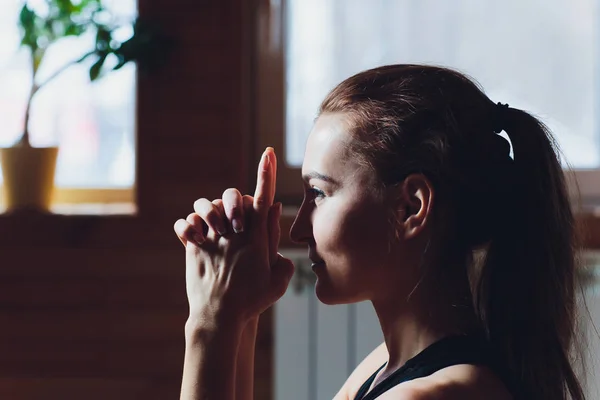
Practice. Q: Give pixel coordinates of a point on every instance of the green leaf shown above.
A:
(26, 18)
(65, 7)
(121, 62)
(84, 57)
(73, 29)
(87, 4)
(148, 47)
(97, 67)
(103, 38)
(48, 30)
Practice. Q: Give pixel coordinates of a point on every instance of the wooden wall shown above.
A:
(94, 307)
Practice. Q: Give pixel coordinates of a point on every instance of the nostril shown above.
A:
(301, 229)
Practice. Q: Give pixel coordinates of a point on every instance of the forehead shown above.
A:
(327, 145)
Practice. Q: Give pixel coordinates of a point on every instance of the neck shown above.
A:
(411, 325)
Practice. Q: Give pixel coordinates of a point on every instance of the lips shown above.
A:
(314, 258)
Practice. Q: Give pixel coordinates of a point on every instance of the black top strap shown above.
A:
(452, 350)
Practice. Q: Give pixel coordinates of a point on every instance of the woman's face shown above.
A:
(344, 223)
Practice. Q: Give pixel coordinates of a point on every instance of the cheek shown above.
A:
(366, 234)
(359, 232)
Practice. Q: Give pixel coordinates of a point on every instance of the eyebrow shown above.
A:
(316, 175)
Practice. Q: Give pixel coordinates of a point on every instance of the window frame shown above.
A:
(77, 199)
(270, 97)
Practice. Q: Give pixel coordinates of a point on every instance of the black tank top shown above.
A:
(452, 350)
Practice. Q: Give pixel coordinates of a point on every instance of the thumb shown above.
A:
(281, 275)
(274, 231)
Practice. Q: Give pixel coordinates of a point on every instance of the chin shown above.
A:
(329, 295)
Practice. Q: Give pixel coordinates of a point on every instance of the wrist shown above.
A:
(199, 329)
(250, 330)
(251, 324)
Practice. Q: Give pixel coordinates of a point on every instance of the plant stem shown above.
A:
(24, 140)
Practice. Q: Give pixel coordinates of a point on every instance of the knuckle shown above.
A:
(260, 200)
(231, 192)
(188, 231)
(200, 205)
(179, 225)
(232, 203)
(247, 202)
(192, 218)
(235, 210)
(213, 213)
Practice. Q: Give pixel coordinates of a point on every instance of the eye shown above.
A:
(316, 193)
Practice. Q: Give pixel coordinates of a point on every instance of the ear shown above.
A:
(415, 205)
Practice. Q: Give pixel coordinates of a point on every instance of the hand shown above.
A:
(235, 275)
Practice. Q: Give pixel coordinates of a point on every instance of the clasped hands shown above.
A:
(233, 269)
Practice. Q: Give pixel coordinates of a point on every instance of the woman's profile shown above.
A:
(463, 242)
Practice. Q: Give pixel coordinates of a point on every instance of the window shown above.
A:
(537, 55)
(93, 124)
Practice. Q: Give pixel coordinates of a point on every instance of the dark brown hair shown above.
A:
(436, 121)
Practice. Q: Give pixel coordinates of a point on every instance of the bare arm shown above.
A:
(244, 376)
(233, 278)
(209, 363)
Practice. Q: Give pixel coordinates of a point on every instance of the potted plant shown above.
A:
(28, 171)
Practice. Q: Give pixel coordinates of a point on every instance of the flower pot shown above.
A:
(28, 174)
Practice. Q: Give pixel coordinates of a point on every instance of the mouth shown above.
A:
(316, 261)
(317, 265)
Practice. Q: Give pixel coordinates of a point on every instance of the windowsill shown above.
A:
(87, 201)
(88, 209)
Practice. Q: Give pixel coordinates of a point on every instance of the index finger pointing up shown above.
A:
(265, 183)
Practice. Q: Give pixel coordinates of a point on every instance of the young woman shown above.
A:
(413, 202)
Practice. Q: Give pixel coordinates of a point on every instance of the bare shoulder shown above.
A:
(464, 382)
(362, 372)
(458, 382)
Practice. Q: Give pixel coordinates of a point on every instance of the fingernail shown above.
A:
(222, 231)
(267, 160)
(237, 225)
(198, 238)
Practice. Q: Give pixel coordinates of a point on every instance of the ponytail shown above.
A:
(525, 292)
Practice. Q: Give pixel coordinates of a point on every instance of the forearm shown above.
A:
(244, 377)
(210, 363)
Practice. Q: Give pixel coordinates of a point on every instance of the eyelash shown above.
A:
(317, 194)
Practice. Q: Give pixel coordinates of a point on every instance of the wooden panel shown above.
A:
(93, 325)
(105, 293)
(95, 359)
(94, 307)
(87, 388)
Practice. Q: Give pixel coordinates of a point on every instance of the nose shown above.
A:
(301, 230)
